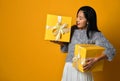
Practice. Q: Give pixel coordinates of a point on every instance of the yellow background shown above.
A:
(26, 56)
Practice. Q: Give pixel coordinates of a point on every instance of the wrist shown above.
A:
(96, 59)
(103, 56)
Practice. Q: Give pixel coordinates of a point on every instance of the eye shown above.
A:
(80, 18)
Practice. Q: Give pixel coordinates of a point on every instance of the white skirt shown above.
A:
(72, 74)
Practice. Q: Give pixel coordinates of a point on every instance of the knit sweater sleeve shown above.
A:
(102, 41)
(64, 47)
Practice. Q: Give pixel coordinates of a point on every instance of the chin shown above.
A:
(80, 27)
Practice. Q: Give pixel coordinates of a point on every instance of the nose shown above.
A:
(77, 19)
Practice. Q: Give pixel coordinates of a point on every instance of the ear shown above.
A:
(87, 23)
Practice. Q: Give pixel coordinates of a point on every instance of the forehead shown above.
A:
(80, 14)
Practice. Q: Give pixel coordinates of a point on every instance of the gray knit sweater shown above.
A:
(80, 37)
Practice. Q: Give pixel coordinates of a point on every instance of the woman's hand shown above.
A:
(89, 63)
(58, 42)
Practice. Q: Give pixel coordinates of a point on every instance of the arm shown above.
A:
(103, 56)
(63, 46)
(91, 61)
(109, 49)
(107, 54)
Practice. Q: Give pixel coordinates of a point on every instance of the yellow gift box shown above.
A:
(58, 28)
(83, 51)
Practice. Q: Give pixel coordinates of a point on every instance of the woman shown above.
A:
(85, 32)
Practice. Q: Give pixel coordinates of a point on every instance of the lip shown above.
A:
(78, 23)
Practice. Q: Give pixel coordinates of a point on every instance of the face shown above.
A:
(81, 21)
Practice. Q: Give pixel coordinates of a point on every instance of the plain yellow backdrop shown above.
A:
(26, 56)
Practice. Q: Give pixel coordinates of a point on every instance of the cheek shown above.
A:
(84, 23)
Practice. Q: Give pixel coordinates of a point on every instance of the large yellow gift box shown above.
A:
(83, 51)
(58, 28)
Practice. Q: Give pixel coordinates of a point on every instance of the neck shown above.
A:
(84, 28)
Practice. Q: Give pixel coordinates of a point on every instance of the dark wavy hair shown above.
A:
(91, 17)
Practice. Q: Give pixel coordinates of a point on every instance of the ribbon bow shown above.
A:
(78, 60)
(59, 29)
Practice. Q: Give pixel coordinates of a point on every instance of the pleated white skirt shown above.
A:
(72, 74)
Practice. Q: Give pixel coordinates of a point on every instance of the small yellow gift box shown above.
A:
(83, 51)
(58, 28)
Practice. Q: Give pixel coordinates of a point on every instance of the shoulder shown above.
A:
(98, 35)
(74, 27)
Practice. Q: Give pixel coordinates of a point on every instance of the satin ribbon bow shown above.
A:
(59, 29)
(77, 59)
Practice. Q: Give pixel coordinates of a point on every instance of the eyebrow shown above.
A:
(80, 16)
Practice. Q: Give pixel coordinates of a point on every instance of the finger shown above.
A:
(54, 41)
(87, 60)
(87, 63)
(86, 68)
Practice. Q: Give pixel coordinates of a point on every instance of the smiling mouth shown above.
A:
(78, 23)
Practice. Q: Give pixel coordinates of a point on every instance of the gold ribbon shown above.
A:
(78, 60)
(59, 29)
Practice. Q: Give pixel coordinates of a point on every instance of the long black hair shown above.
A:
(91, 17)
